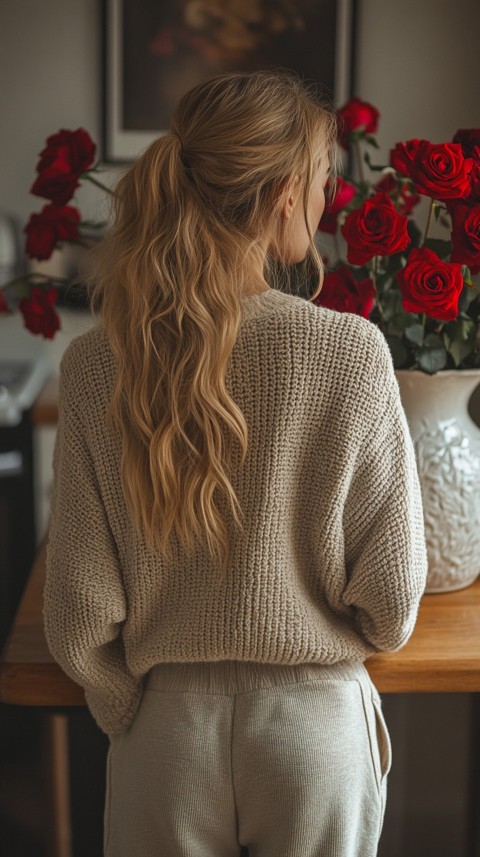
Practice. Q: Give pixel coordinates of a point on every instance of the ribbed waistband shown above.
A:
(232, 677)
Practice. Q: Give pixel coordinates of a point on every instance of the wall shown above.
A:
(50, 79)
(418, 62)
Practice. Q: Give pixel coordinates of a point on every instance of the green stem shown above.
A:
(359, 161)
(35, 278)
(430, 212)
(378, 303)
(90, 178)
(80, 242)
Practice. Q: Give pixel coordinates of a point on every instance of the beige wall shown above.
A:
(419, 63)
(49, 78)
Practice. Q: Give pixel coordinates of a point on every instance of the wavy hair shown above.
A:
(190, 218)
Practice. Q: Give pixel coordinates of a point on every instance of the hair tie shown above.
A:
(182, 153)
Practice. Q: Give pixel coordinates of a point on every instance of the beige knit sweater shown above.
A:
(334, 561)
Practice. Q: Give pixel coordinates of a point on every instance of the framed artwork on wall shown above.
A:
(155, 51)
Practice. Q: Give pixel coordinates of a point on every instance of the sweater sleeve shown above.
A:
(84, 600)
(385, 548)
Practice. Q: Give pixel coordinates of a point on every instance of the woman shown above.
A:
(237, 521)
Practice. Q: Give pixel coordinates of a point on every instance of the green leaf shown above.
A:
(463, 329)
(433, 340)
(401, 320)
(357, 134)
(467, 329)
(372, 141)
(468, 295)
(458, 350)
(391, 303)
(92, 224)
(414, 333)
(438, 209)
(459, 337)
(374, 167)
(398, 351)
(414, 232)
(439, 246)
(432, 359)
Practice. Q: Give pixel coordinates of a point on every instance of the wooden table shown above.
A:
(442, 656)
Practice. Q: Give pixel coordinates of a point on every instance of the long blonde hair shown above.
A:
(189, 219)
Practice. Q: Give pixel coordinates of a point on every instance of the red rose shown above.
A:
(356, 115)
(344, 193)
(66, 155)
(3, 304)
(375, 229)
(57, 187)
(466, 235)
(468, 139)
(429, 285)
(38, 312)
(77, 147)
(342, 292)
(403, 156)
(54, 223)
(401, 193)
(437, 170)
(474, 197)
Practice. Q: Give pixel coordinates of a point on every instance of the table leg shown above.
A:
(61, 834)
(473, 811)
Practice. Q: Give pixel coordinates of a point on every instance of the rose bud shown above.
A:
(357, 115)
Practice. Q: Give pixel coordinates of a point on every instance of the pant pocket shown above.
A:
(380, 746)
(108, 800)
(383, 738)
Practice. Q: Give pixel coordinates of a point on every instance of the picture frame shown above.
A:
(155, 51)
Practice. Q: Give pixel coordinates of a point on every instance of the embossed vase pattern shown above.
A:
(447, 447)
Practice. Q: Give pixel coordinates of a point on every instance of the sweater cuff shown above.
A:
(114, 715)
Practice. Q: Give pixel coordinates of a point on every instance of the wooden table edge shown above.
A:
(31, 680)
(46, 685)
(429, 677)
(45, 408)
(42, 685)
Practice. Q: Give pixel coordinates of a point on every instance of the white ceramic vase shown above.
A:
(447, 446)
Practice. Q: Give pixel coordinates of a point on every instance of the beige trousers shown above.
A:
(285, 760)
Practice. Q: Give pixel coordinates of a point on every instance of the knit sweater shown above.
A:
(332, 564)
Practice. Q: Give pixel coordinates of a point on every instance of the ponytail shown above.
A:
(169, 403)
(190, 219)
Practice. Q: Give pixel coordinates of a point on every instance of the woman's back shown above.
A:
(320, 399)
(236, 515)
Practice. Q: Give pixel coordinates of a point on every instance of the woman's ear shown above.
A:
(290, 197)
